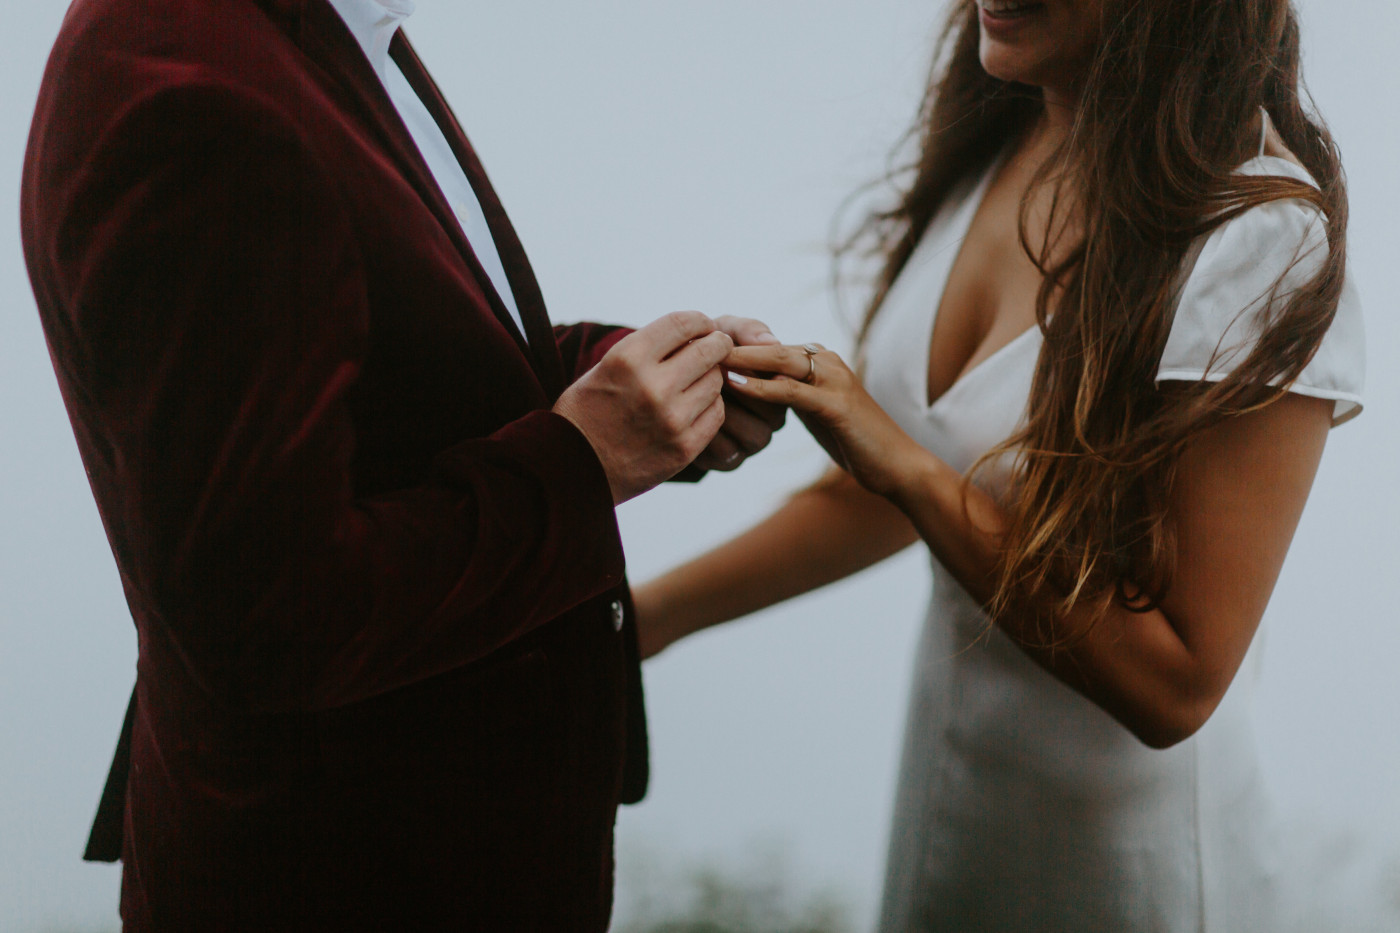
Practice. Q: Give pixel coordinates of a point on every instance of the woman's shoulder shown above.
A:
(1284, 238)
(1244, 269)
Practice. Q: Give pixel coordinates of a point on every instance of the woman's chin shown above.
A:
(1009, 64)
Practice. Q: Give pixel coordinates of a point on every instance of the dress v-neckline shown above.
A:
(961, 225)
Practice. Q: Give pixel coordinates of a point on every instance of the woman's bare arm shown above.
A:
(824, 533)
(1240, 491)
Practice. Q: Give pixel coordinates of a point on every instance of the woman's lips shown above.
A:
(1008, 9)
(1003, 18)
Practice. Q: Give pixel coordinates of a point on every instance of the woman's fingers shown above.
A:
(832, 403)
(780, 360)
(810, 375)
(787, 392)
(810, 363)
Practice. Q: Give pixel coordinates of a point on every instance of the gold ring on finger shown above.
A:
(811, 349)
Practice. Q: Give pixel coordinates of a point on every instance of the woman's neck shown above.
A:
(1061, 106)
(1055, 211)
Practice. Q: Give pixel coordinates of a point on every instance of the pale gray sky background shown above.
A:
(689, 154)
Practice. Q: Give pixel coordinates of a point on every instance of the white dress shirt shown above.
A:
(373, 24)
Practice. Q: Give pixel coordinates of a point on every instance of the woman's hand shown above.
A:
(748, 425)
(832, 403)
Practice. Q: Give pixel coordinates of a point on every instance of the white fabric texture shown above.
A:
(1248, 266)
(373, 24)
(1021, 806)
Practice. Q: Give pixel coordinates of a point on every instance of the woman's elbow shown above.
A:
(1171, 720)
(1163, 735)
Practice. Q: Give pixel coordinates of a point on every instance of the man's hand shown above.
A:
(652, 404)
(748, 423)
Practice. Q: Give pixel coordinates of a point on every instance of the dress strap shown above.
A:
(1264, 125)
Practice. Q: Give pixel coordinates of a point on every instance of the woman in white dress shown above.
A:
(1111, 336)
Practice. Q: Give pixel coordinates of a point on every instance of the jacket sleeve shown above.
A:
(583, 345)
(209, 318)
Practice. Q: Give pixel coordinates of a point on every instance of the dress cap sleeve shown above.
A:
(1245, 267)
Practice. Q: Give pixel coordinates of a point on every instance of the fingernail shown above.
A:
(737, 379)
(769, 336)
(731, 458)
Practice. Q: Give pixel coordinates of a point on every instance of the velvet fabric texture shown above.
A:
(374, 579)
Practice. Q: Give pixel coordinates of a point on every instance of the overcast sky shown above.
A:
(689, 154)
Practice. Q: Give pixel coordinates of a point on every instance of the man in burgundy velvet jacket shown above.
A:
(387, 678)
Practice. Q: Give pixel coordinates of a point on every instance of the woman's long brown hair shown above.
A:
(1164, 122)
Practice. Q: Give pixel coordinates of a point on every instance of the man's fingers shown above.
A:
(746, 331)
(698, 358)
(669, 333)
(723, 453)
(773, 415)
(708, 424)
(689, 405)
(701, 393)
(747, 430)
(702, 432)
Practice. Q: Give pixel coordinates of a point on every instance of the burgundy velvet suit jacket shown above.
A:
(374, 579)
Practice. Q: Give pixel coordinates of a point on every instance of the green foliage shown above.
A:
(753, 898)
(756, 893)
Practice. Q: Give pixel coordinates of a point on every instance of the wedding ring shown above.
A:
(811, 349)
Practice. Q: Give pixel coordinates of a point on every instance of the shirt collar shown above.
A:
(373, 24)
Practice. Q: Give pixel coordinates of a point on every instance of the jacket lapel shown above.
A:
(321, 34)
(525, 287)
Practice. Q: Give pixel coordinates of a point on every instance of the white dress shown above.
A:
(1022, 807)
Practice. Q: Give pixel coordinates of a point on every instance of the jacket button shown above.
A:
(618, 615)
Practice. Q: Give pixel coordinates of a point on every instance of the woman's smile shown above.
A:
(1002, 19)
(1009, 9)
(1048, 43)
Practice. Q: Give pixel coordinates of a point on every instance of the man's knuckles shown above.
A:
(673, 423)
(673, 330)
(711, 384)
(716, 347)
